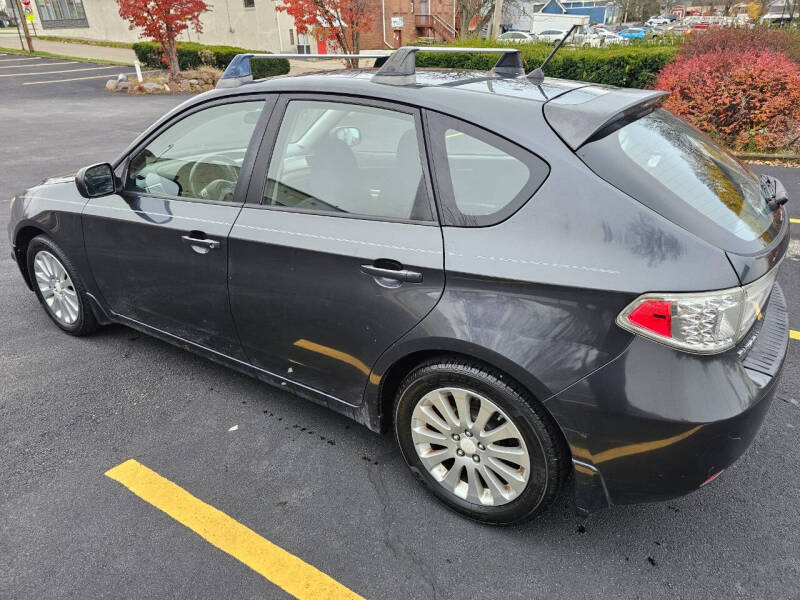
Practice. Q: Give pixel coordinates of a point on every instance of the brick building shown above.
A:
(400, 22)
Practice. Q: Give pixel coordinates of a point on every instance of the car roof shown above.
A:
(438, 89)
(499, 103)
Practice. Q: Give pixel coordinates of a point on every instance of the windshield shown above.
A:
(671, 167)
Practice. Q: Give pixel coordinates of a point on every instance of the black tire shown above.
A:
(85, 322)
(550, 463)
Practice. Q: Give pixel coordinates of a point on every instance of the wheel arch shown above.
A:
(22, 239)
(391, 370)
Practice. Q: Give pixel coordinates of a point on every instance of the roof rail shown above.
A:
(400, 68)
(239, 70)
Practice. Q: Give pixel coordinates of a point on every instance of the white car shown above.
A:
(551, 36)
(602, 37)
(516, 37)
(657, 21)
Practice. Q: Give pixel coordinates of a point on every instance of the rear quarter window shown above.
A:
(482, 178)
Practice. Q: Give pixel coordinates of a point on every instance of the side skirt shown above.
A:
(356, 413)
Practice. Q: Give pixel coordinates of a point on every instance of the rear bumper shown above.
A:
(656, 423)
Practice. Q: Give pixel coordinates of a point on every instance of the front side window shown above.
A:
(200, 156)
(348, 159)
(484, 179)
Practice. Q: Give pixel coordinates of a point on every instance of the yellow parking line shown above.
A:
(794, 220)
(69, 62)
(56, 72)
(795, 335)
(72, 79)
(285, 570)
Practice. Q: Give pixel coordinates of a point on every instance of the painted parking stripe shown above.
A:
(69, 62)
(288, 572)
(794, 220)
(795, 335)
(20, 58)
(72, 79)
(56, 72)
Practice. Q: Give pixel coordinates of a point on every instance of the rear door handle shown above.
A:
(396, 274)
(200, 245)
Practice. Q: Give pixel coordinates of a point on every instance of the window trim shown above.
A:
(255, 192)
(246, 171)
(436, 124)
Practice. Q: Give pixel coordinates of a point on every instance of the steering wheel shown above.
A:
(207, 175)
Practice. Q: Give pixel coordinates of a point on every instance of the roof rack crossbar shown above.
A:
(239, 70)
(400, 67)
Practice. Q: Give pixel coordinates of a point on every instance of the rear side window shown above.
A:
(680, 173)
(348, 159)
(483, 179)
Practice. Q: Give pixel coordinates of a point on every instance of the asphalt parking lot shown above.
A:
(311, 482)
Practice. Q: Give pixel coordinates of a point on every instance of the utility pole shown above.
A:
(24, 20)
(498, 12)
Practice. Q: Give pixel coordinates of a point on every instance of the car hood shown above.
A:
(65, 178)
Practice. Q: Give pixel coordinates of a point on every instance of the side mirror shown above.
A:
(96, 181)
(349, 135)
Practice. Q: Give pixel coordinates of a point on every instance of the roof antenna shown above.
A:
(537, 75)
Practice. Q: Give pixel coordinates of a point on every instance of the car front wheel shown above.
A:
(478, 442)
(58, 287)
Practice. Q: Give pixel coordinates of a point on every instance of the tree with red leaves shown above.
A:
(163, 21)
(342, 21)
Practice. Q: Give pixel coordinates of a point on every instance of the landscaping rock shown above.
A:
(152, 88)
(124, 86)
(112, 85)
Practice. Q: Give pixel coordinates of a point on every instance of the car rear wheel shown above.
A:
(58, 287)
(478, 442)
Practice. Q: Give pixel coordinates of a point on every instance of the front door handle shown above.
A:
(396, 274)
(198, 244)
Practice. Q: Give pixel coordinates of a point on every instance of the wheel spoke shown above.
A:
(421, 434)
(462, 407)
(434, 419)
(503, 431)
(508, 473)
(496, 487)
(476, 492)
(513, 454)
(443, 404)
(484, 414)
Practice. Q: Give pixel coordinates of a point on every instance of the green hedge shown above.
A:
(625, 66)
(189, 57)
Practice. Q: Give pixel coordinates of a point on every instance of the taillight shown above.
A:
(705, 322)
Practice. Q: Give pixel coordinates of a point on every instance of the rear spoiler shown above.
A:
(593, 111)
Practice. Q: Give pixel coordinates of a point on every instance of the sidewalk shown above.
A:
(98, 53)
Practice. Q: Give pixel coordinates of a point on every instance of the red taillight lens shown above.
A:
(654, 315)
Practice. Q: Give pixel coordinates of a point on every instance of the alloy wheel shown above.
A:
(470, 446)
(56, 287)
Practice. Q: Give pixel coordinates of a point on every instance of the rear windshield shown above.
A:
(679, 172)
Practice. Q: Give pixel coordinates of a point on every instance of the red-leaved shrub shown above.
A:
(727, 39)
(748, 100)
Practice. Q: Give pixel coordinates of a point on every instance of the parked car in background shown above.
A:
(654, 32)
(657, 21)
(516, 37)
(633, 33)
(601, 37)
(551, 36)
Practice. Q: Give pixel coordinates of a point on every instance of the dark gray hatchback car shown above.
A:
(534, 282)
